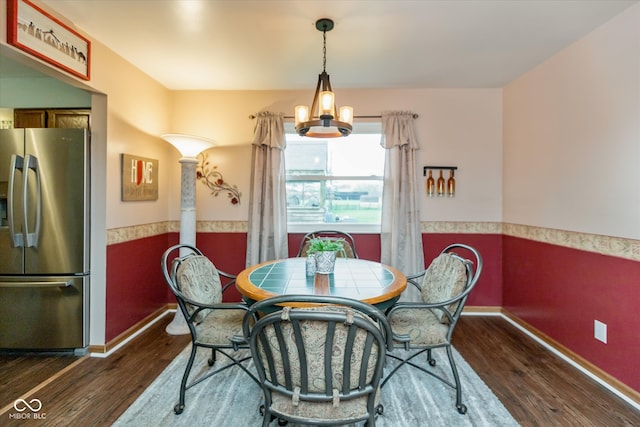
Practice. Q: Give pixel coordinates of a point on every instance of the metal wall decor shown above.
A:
(212, 178)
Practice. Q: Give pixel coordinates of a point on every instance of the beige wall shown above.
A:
(138, 112)
(572, 136)
(460, 127)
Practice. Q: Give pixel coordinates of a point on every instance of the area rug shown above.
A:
(231, 398)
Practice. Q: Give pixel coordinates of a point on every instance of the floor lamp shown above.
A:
(189, 146)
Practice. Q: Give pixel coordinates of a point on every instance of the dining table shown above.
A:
(368, 281)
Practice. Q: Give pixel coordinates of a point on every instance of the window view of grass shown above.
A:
(334, 181)
(348, 211)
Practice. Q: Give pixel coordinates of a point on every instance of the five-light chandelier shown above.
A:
(322, 120)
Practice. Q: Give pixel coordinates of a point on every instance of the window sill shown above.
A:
(346, 227)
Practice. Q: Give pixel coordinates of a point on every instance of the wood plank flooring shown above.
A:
(536, 387)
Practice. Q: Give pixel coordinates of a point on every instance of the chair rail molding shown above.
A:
(596, 243)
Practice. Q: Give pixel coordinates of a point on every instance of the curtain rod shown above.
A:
(415, 116)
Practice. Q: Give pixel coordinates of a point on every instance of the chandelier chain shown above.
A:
(324, 50)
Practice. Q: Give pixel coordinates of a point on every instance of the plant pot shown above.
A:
(325, 261)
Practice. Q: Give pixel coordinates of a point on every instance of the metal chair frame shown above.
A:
(377, 332)
(404, 342)
(169, 269)
(329, 234)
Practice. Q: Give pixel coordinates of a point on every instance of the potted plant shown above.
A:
(325, 251)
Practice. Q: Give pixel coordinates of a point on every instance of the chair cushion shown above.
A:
(445, 278)
(317, 412)
(421, 325)
(220, 326)
(199, 280)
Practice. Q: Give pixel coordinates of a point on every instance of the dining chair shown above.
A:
(420, 327)
(198, 288)
(320, 363)
(349, 242)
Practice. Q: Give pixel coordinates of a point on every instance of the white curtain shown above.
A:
(401, 237)
(267, 233)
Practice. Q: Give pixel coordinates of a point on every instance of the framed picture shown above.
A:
(36, 32)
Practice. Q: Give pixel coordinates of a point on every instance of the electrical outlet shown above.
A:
(600, 331)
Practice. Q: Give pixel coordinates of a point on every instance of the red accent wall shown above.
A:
(367, 245)
(228, 252)
(488, 291)
(135, 286)
(561, 291)
(558, 290)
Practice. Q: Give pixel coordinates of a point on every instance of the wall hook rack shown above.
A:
(426, 168)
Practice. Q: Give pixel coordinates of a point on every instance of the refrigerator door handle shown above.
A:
(17, 162)
(31, 239)
(57, 284)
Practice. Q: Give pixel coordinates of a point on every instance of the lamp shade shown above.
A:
(346, 114)
(301, 114)
(327, 103)
(188, 145)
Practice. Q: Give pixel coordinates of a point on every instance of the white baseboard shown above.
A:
(140, 328)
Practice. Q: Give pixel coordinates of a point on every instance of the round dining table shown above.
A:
(368, 281)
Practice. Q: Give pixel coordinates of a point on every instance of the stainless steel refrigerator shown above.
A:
(44, 239)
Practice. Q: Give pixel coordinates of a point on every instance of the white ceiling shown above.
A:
(273, 44)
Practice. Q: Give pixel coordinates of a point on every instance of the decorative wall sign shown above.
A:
(139, 178)
(212, 178)
(37, 32)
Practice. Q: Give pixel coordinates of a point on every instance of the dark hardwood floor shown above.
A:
(536, 387)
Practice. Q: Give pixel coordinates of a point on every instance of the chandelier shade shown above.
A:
(321, 119)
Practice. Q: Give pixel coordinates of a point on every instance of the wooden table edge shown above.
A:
(248, 290)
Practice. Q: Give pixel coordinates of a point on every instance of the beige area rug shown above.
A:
(410, 398)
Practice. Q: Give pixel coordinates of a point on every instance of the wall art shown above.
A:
(36, 32)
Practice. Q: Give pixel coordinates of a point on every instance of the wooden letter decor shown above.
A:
(139, 178)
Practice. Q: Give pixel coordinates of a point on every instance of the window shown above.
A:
(334, 181)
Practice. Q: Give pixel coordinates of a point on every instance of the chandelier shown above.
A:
(322, 120)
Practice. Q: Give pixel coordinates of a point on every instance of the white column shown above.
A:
(189, 146)
(187, 228)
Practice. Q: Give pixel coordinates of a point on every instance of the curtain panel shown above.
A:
(401, 238)
(267, 229)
